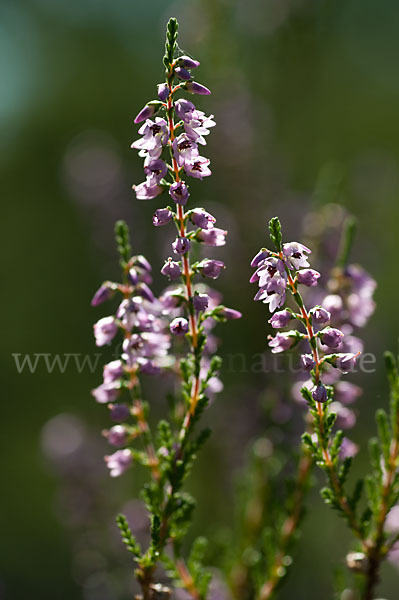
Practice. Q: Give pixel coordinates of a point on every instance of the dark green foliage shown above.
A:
(123, 242)
(128, 539)
(275, 233)
(171, 42)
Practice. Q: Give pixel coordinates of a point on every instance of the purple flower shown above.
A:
(181, 245)
(113, 371)
(155, 135)
(320, 315)
(202, 219)
(119, 462)
(259, 257)
(211, 268)
(116, 436)
(184, 149)
(143, 263)
(179, 326)
(360, 309)
(200, 302)
(280, 319)
(296, 255)
(229, 313)
(319, 393)
(212, 237)
(103, 293)
(348, 449)
(179, 192)
(171, 269)
(133, 276)
(145, 292)
(105, 330)
(346, 362)
(346, 418)
(188, 62)
(182, 73)
(307, 362)
(331, 337)
(197, 88)
(155, 169)
(162, 216)
(119, 412)
(148, 366)
(146, 113)
(163, 91)
(346, 392)
(333, 304)
(280, 342)
(308, 277)
(184, 109)
(198, 167)
(106, 392)
(147, 191)
(274, 298)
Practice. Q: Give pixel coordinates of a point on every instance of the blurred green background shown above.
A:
(301, 88)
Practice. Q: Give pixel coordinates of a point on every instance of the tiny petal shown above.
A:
(258, 258)
(119, 462)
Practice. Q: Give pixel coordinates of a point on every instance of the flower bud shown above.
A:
(163, 91)
(181, 245)
(200, 302)
(182, 73)
(116, 436)
(179, 192)
(105, 330)
(179, 326)
(320, 315)
(119, 462)
(162, 216)
(171, 269)
(119, 412)
(307, 362)
(229, 313)
(145, 292)
(197, 88)
(212, 237)
(103, 293)
(319, 393)
(211, 268)
(308, 277)
(189, 63)
(331, 337)
(262, 254)
(280, 319)
(133, 276)
(202, 219)
(148, 111)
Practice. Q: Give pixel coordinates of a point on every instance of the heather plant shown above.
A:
(169, 337)
(286, 270)
(152, 327)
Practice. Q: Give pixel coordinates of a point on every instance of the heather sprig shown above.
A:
(376, 527)
(152, 329)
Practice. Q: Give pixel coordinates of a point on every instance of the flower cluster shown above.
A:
(144, 349)
(174, 129)
(328, 325)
